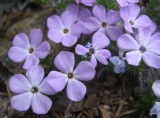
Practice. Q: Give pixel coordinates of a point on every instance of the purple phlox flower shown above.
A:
(124, 3)
(145, 46)
(131, 18)
(155, 110)
(82, 13)
(95, 50)
(104, 22)
(29, 49)
(70, 77)
(31, 91)
(86, 2)
(119, 64)
(64, 29)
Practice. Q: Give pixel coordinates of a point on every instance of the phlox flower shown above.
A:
(82, 13)
(145, 46)
(155, 110)
(70, 77)
(131, 18)
(31, 91)
(64, 29)
(119, 64)
(124, 3)
(104, 22)
(29, 48)
(95, 49)
(86, 2)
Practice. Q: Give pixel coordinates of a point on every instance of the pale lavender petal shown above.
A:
(21, 102)
(122, 3)
(142, 21)
(17, 54)
(55, 35)
(84, 71)
(126, 42)
(114, 60)
(155, 36)
(88, 2)
(57, 81)
(81, 50)
(68, 18)
(76, 90)
(36, 36)
(40, 104)
(73, 8)
(155, 109)
(45, 88)
(84, 13)
(64, 61)
(92, 24)
(19, 84)
(93, 61)
(156, 88)
(102, 56)
(151, 60)
(100, 40)
(113, 32)
(132, 1)
(42, 50)
(112, 17)
(31, 60)
(35, 75)
(99, 12)
(77, 29)
(54, 22)
(69, 40)
(21, 40)
(128, 27)
(133, 57)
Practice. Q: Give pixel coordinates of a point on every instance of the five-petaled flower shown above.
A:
(29, 50)
(30, 91)
(65, 62)
(96, 49)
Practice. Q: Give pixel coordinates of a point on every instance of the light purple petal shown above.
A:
(57, 81)
(156, 88)
(31, 60)
(45, 88)
(84, 13)
(42, 50)
(64, 61)
(126, 42)
(142, 21)
(112, 17)
(84, 71)
(19, 84)
(81, 50)
(76, 90)
(35, 75)
(128, 27)
(36, 36)
(68, 18)
(99, 12)
(21, 40)
(114, 60)
(55, 22)
(151, 60)
(133, 57)
(132, 1)
(21, 102)
(100, 40)
(102, 56)
(55, 35)
(122, 3)
(93, 61)
(73, 8)
(88, 2)
(92, 24)
(17, 54)
(155, 36)
(77, 29)
(69, 40)
(113, 32)
(41, 104)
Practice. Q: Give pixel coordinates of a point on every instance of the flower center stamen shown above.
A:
(91, 51)
(142, 49)
(104, 25)
(31, 50)
(131, 22)
(65, 31)
(34, 90)
(70, 75)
